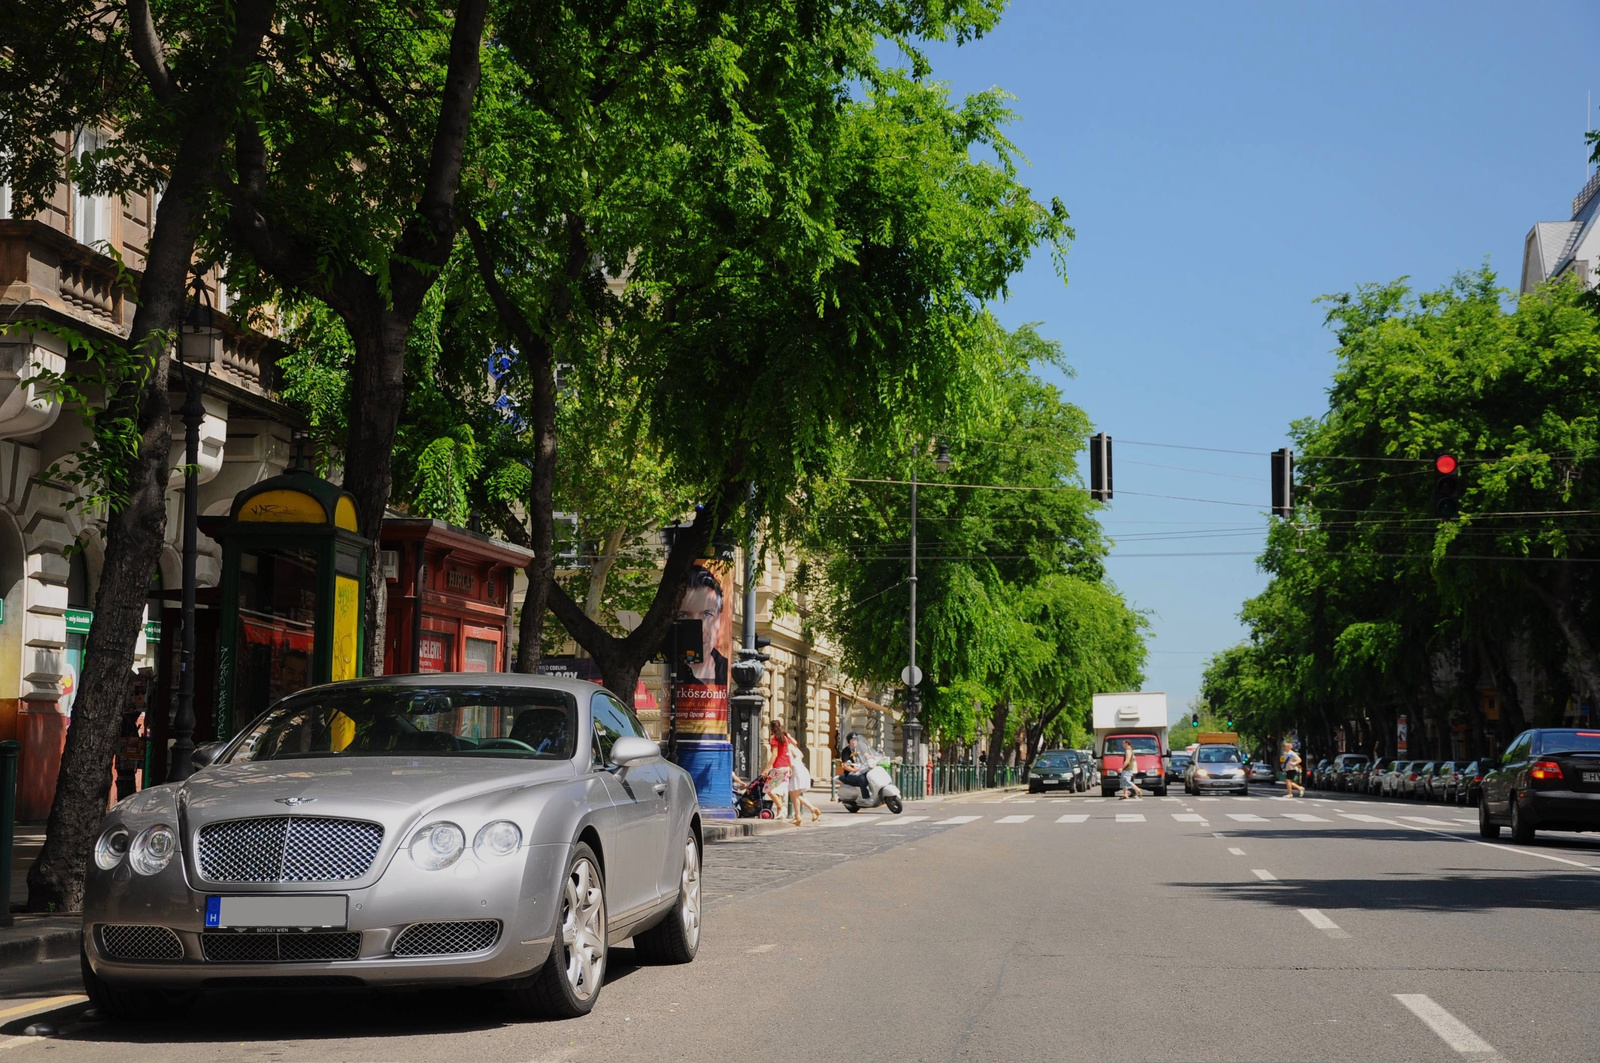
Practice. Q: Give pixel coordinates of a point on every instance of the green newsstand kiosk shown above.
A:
(293, 569)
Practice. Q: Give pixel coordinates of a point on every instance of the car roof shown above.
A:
(579, 688)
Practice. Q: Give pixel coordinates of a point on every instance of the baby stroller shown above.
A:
(752, 802)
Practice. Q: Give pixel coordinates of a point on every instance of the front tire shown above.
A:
(1521, 829)
(848, 807)
(676, 939)
(1487, 828)
(133, 1005)
(894, 805)
(568, 983)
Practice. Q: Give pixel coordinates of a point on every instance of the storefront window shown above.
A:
(436, 652)
(277, 618)
(479, 656)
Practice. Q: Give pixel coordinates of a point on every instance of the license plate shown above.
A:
(1591, 776)
(277, 913)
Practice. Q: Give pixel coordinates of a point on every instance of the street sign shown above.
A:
(911, 675)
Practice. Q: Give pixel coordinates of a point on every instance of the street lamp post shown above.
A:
(748, 667)
(912, 675)
(199, 342)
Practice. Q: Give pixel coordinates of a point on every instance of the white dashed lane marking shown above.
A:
(1236, 852)
(1451, 1030)
(1246, 817)
(1304, 817)
(1013, 819)
(956, 820)
(1322, 923)
(1263, 874)
(1130, 817)
(1073, 819)
(1188, 817)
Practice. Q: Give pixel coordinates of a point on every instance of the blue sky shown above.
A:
(1224, 165)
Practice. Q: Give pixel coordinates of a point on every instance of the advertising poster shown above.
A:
(1400, 736)
(700, 691)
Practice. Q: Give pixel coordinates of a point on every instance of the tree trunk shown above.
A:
(601, 570)
(997, 738)
(134, 535)
(1581, 654)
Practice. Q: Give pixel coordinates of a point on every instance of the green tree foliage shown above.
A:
(1376, 608)
(1013, 605)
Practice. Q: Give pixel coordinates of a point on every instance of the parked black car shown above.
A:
(1446, 779)
(1470, 788)
(1317, 777)
(1548, 779)
(1176, 766)
(1057, 769)
(1348, 768)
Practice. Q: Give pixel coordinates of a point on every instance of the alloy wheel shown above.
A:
(689, 907)
(583, 929)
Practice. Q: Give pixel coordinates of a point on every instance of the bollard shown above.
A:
(8, 818)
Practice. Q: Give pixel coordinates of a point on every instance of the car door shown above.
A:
(627, 824)
(645, 791)
(1500, 785)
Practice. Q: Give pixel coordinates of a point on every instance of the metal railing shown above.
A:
(938, 780)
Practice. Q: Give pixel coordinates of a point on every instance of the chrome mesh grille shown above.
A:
(288, 849)
(442, 939)
(280, 948)
(122, 941)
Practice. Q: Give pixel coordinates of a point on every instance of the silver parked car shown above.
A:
(405, 831)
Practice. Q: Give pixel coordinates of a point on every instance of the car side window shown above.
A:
(1519, 747)
(612, 721)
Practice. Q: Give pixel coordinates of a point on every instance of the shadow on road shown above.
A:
(222, 1016)
(1458, 891)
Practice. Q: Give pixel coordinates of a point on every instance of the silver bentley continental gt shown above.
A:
(413, 830)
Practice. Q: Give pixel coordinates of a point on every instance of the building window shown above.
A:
(91, 213)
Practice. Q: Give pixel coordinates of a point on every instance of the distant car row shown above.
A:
(1457, 781)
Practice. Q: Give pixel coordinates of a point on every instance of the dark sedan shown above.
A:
(1057, 769)
(1548, 779)
(1177, 766)
(1470, 788)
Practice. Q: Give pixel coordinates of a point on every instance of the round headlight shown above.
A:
(500, 838)
(437, 845)
(111, 848)
(152, 850)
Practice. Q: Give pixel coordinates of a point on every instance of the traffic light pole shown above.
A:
(913, 701)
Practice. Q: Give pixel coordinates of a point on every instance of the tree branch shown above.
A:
(149, 50)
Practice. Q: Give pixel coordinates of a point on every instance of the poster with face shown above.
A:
(701, 690)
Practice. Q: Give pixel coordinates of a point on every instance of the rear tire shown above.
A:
(568, 983)
(1106, 793)
(1035, 788)
(1521, 829)
(1487, 828)
(676, 938)
(133, 1005)
(894, 805)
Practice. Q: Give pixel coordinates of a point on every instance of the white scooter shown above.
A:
(881, 789)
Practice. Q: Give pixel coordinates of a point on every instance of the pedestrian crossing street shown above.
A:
(1268, 811)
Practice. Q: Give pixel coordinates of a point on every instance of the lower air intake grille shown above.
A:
(122, 941)
(443, 939)
(281, 948)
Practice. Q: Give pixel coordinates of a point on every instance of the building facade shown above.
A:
(1566, 248)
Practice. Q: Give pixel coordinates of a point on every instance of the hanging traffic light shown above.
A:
(1195, 719)
(1100, 467)
(1283, 482)
(1446, 487)
(1230, 721)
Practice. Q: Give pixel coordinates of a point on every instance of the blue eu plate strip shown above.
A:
(213, 911)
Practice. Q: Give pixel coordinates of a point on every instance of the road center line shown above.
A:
(763, 948)
(1451, 1030)
(1263, 875)
(1236, 852)
(1322, 923)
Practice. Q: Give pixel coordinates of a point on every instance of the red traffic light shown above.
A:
(1444, 464)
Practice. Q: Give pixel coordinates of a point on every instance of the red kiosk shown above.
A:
(450, 600)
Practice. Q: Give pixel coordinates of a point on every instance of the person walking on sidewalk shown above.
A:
(1291, 770)
(799, 784)
(779, 767)
(1129, 787)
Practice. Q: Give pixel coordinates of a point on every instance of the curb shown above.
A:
(716, 831)
(56, 943)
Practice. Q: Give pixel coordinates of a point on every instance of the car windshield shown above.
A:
(1142, 744)
(441, 721)
(1220, 755)
(1052, 764)
(1569, 742)
(1180, 758)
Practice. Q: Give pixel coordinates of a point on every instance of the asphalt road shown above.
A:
(1052, 928)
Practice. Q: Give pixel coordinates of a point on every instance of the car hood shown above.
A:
(387, 790)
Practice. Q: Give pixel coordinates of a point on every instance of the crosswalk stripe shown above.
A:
(1073, 819)
(1246, 817)
(957, 820)
(1013, 819)
(1304, 817)
(1361, 817)
(1208, 799)
(1188, 817)
(1130, 817)
(900, 819)
(1430, 822)
(1236, 852)
(1263, 875)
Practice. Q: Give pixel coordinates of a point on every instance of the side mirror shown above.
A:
(1486, 763)
(206, 755)
(630, 750)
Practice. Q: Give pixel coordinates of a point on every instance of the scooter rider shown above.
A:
(854, 764)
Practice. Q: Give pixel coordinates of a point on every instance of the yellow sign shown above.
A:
(346, 614)
(284, 507)
(344, 514)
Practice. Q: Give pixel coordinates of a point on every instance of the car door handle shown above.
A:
(661, 789)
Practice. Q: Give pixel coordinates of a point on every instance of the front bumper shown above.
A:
(1236, 783)
(519, 894)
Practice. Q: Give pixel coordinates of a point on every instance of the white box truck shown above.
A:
(1137, 719)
